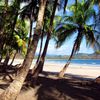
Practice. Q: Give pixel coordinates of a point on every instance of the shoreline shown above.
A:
(87, 71)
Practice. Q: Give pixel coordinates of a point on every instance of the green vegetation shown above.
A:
(17, 37)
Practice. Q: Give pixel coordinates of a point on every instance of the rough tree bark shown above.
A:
(7, 58)
(62, 72)
(13, 90)
(40, 64)
(13, 58)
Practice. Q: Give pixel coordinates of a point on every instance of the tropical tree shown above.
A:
(97, 26)
(30, 11)
(13, 90)
(39, 65)
(8, 21)
(48, 27)
(77, 22)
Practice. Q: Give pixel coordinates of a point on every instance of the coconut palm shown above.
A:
(77, 22)
(48, 29)
(39, 65)
(30, 11)
(97, 26)
(8, 19)
(13, 90)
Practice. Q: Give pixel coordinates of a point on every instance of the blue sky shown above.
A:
(66, 48)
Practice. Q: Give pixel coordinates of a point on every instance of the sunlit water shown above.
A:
(93, 62)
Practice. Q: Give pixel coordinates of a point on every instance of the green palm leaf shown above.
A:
(64, 32)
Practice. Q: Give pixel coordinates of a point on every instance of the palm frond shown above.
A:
(97, 43)
(65, 32)
(78, 41)
(87, 5)
(62, 5)
(89, 14)
(30, 8)
(90, 39)
(65, 4)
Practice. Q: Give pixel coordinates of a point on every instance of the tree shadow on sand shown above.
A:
(67, 89)
(49, 87)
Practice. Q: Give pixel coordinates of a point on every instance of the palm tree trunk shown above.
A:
(1, 46)
(0, 58)
(13, 58)
(6, 2)
(7, 58)
(40, 65)
(13, 90)
(41, 44)
(30, 35)
(75, 47)
(36, 64)
(62, 72)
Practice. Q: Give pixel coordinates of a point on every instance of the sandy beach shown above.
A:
(79, 72)
(75, 86)
(87, 71)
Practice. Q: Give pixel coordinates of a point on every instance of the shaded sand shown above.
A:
(77, 85)
(60, 89)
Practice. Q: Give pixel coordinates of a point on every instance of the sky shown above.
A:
(66, 48)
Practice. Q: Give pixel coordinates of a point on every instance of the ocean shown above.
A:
(94, 62)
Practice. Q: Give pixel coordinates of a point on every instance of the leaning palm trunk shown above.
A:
(75, 48)
(6, 59)
(62, 72)
(41, 44)
(30, 35)
(40, 64)
(0, 58)
(13, 58)
(13, 90)
(6, 2)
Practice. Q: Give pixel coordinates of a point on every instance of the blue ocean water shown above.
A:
(94, 62)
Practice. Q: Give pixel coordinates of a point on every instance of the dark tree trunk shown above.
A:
(62, 72)
(0, 58)
(30, 35)
(38, 55)
(6, 59)
(41, 44)
(13, 58)
(40, 64)
(6, 2)
(13, 90)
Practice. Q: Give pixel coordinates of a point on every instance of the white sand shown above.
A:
(89, 71)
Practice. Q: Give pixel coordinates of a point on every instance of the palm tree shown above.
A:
(39, 65)
(30, 12)
(8, 19)
(13, 90)
(97, 21)
(77, 22)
